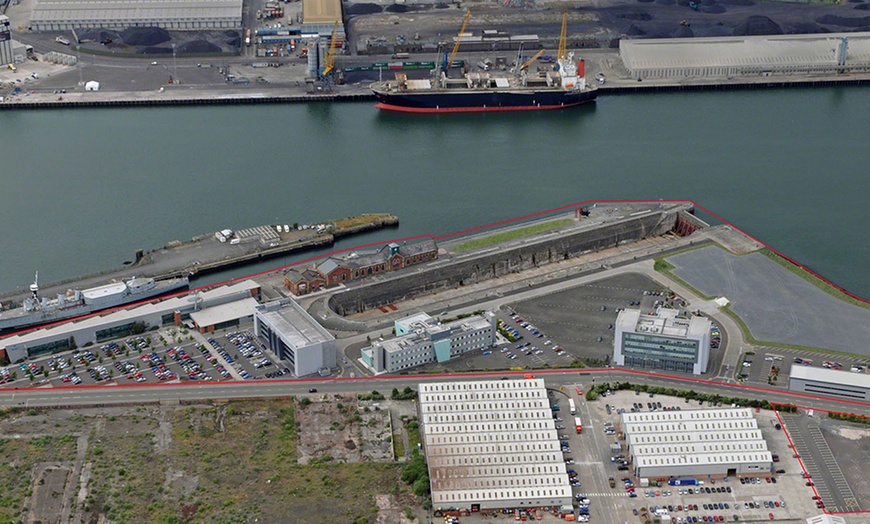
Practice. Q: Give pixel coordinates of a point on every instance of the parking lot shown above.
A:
(763, 359)
(784, 495)
(166, 355)
(580, 320)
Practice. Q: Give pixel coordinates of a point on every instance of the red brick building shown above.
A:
(335, 270)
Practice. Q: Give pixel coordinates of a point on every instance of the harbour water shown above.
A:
(81, 189)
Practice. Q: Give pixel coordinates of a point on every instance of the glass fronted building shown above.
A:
(662, 341)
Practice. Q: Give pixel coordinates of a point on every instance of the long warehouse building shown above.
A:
(191, 15)
(829, 382)
(492, 444)
(711, 443)
(742, 56)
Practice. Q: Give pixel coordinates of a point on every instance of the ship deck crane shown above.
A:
(532, 59)
(563, 38)
(449, 62)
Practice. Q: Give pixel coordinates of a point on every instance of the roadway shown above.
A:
(71, 396)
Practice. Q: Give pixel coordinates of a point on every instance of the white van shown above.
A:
(61, 40)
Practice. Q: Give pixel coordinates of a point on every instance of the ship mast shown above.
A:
(34, 288)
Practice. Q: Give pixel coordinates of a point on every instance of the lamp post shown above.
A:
(174, 65)
(79, 61)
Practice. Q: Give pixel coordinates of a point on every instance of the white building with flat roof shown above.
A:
(118, 323)
(66, 15)
(829, 382)
(492, 444)
(294, 335)
(696, 443)
(422, 339)
(663, 340)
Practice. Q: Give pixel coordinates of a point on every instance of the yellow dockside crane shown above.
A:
(329, 60)
(449, 62)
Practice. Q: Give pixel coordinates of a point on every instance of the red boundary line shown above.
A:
(800, 459)
(463, 232)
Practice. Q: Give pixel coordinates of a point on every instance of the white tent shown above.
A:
(92, 86)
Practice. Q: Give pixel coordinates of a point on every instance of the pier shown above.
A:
(206, 253)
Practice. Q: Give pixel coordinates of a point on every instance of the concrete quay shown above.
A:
(287, 85)
(205, 253)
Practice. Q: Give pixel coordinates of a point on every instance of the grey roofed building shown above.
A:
(327, 266)
(720, 57)
(416, 248)
(293, 335)
(65, 15)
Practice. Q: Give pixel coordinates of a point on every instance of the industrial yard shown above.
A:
(182, 464)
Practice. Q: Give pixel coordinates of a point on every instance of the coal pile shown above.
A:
(199, 46)
(145, 36)
(362, 9)
(844, 22)
(757, 25)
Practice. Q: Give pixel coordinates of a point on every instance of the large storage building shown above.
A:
(66, 15)
(722, 57)
(116, 324)
(421, 339)
(662, 341)
(293, 335)
(829, 382)
(492, 444)
(696, 443)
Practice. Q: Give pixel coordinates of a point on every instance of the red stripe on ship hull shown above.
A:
(481, 109)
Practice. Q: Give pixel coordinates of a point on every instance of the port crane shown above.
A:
(329, 60)
(448, 62)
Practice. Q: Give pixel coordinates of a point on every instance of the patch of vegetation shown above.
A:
(406, 394)
(374, 395)
(512, 234)
(416, 474)
(594, 392)
(19, 457)
(849, 417)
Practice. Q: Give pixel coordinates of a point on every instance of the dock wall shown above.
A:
(363, 95)
(438, 276)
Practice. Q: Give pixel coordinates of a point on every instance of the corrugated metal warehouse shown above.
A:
(66, 15)
(829, 382)
(321, 15)
(724, 57)
(492, 444)
(696, 443)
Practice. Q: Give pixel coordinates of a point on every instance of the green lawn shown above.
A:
(512, 234)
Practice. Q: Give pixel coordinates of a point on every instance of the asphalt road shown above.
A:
(171, 393)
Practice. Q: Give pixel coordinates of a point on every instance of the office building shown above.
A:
(662, 341)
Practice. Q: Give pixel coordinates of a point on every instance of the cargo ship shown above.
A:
(37, 310)
(560, 87)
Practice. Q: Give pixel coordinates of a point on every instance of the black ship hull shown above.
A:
(460, 101)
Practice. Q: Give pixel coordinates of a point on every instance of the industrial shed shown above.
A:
(674, 58)
(829, 382)
(320, 16)
(492, 444)
(66, 15)
(712, 443)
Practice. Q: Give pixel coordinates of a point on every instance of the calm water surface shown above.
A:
(80, 190)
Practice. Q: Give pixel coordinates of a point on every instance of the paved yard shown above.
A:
(777, 305)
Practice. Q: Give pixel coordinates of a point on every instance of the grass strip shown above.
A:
(512, 234)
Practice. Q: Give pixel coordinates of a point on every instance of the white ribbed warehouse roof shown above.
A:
(490, 441)
(742, 51)
(694, 437)
(116, 13)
